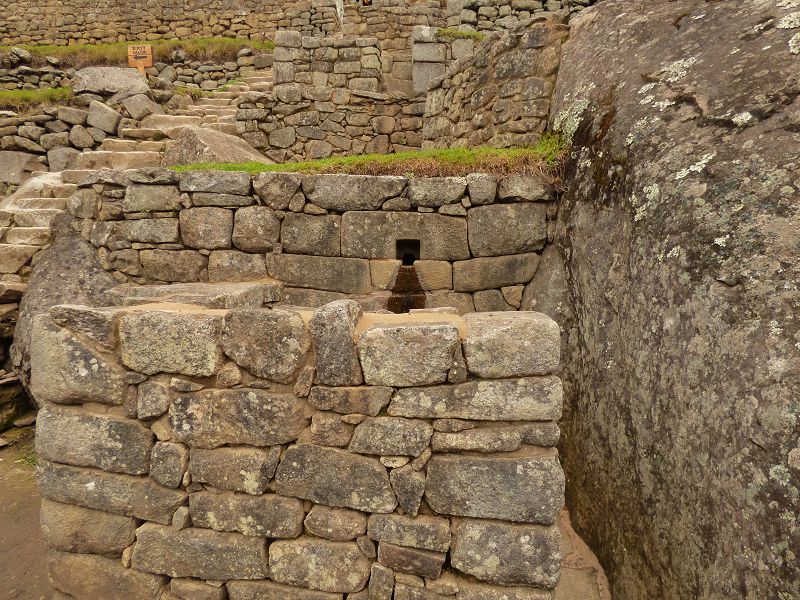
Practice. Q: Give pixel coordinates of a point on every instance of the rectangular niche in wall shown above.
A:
(408, 251)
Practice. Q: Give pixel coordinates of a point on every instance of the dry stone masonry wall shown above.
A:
(492, 15)
(499, 96)
(468, 242)
(270, 453)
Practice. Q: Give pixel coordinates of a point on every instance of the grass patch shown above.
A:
(217, 49)
(27, 454)
(545, 159)
(25, 99)
(460, 34)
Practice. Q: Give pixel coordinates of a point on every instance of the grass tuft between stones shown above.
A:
(460, 34)
(18, 99)
(544, 159)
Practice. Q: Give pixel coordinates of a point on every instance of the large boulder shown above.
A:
(16, 167)
(201, 145)
(681, 224)
(68, 272)
(117, 83)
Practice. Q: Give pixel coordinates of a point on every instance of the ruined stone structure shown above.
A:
(468, 242)
(284, 454)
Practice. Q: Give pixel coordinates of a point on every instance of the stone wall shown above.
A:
(325, 237)
(432, 52)
(492, 15)
(500, 96)
(104, 21)
(268, 453)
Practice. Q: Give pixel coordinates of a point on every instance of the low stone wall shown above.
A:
(474, 241)
(206, 75)
(61, 22)
(24, 77)
(493, 15)
(500, 96)
(432, 52)
(267, 453)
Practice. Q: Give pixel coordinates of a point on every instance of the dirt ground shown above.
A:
(23, 569)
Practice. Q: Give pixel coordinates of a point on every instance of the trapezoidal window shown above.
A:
(407, 251)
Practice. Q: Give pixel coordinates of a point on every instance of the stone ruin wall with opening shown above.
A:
(324, 237)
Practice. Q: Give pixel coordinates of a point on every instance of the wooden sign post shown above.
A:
(140, 57)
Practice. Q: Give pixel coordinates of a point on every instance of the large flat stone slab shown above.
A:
(352, 192)
(319, 564)
(267, 515)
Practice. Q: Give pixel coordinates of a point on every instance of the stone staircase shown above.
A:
(144, 145)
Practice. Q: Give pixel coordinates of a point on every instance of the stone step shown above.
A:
(228, 95)
(114, 145)
(64, 190)
(117, 160)
(228, 128)
(75, 176)
(213, 102)
(31, 236)
(151, 146)
(58, 203)
(35, 217)
(141, 133)
(14, 256)
(168, 122)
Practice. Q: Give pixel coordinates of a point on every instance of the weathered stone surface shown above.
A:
(414, 561)
(65, 370)
(507, 554)
(168, 463)
(391, 436)
(503, 229)
(207, 228)
(393, 354)
(381, 582)
(532, 482)
(337, 524)
(524, 187)
(319, 564)
(242, 469)
(216, 182)
(428, 533)
(311, 234)
(15, 167)
(88, 576)
(267, 515)
(335, 478)
(270, 343)
(485, 439)
(220, 199)
(193, 145)
(154, 231)
(172, 342)
(75, 437)
(347, 275)
(145, 198)
(199, 553)
(368, 234)
(173, 265)
(495, 272)
(269, 590)
(277, 189)
(434, 192)
(139, 106)
(476, 591)
(511, 344)
(103, 117)
(192, 589)
(482, 188)
(71, 528)
(123, 494)
(409, 486)
(256, 229)
(367, 400)
(528, 399)
(328, 429)
(213, 418)
(333, 331)
(235, 266)
(152, 399)
(98, 324)
(117, 82)
(352, 192)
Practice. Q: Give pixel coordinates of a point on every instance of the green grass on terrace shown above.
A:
(202, 48)
(544, 159)
(22, 99)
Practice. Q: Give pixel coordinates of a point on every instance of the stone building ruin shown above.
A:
(331, 386)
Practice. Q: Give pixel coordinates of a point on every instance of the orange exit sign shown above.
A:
(140, 57)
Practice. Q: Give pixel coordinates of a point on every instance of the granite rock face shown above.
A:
(687, 255)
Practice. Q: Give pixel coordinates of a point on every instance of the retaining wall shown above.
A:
(500, 96)
(474, 241)
(267, 453)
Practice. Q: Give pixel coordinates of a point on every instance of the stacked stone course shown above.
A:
(326, 237)
(493, 15)
(256, 452)
(499, 96)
